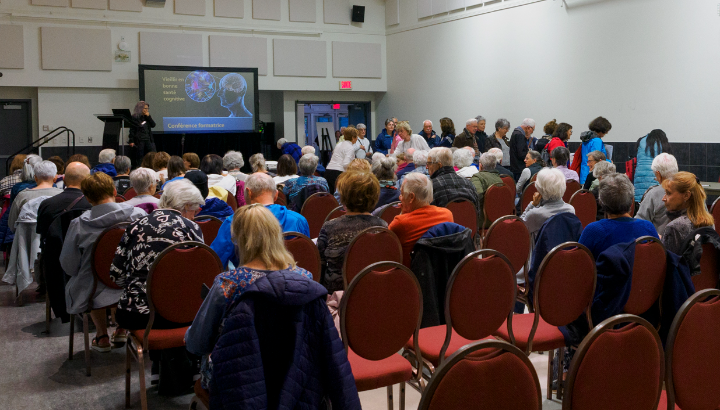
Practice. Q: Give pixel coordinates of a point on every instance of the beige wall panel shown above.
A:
(76, 49)
(266, 9)
(12, 47)
(171, 49)
(90, 4)
(356, 60)
(126, 5)
(230, 8)
(57, 3)
(299, 58)
(227, 51)
(190, 7)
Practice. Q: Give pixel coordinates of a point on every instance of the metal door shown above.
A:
(15, 128)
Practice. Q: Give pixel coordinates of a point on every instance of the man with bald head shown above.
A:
(50, 208)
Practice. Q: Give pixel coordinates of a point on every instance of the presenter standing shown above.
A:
(141, 137)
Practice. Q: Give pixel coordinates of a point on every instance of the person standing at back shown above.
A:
(648, 147)
(521, 141)
(592, 141)
(467, 137)
(343, 154)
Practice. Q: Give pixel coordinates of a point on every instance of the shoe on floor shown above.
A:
(101, 344)
(119, 336)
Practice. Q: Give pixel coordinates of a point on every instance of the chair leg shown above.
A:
(390, 397)
(402, 396)
(72, 336)
(86, 331)
(551, 354)
(143, 392)
(127, 373)
(561, 385)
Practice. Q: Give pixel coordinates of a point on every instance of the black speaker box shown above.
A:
(358, 14)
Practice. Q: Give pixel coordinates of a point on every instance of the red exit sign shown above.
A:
(346, 85)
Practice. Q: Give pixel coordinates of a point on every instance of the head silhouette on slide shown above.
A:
(232, 95)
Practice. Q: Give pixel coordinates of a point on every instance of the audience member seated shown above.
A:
(160, 164)
(592, 141)
(499, 157)
(600, 171)
(409, 163)
(77, 252)
(417, 215)
(9, 181)
(200, 180)
(409, 140)
(216, 205)
(232, 162)
(147, 161)
(122, 179)
(685, 202)
(290, 148)
(106, 160)
(212, 165)
(533, 165)
(259, 189)
(143, 181)
(463, 159)
(50, 208)
(384, 171)
(309, 149)
(447, 185)
(257, 164)
(44, 173)
(26, 180)
(143, 241)
(593, 158)
(286, 169)
(483, 180)
(60, 164)
(260, 243)
(359, 192)
(191, 161)
(617, 195)
(560, 157)
(652, 208)
(400, 161)
(79, 158)
(175, 170)
(297, 190)
(420, 163)
(342, 155)
(547, 201)
(27, 177)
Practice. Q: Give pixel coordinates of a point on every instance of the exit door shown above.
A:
(15, 129)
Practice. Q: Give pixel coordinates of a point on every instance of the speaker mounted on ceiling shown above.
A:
(358, 14)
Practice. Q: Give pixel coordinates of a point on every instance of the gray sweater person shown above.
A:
(652, 208)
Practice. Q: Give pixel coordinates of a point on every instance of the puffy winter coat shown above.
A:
(644, 175)
(590, 142)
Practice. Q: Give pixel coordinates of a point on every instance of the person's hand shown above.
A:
(362, 147)
(536, 199)
(132, 144)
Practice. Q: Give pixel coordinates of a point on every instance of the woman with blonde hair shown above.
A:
(261, 250)
(685, 202)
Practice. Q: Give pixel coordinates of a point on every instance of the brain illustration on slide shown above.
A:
(200, 86)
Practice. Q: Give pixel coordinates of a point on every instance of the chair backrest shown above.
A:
(464, 213)
(316, 208)
(480, 297)
(565, 285)
(174, 283)
(693, 353)
(232, 201)
(374, 244)
(715, 210)
(209, 225)
(390, 212)
(103, 253)
(509, 236)
(119, 198)
(534, 177)
(648, 275)
(366, 325)
(571, 187)
(130, 194)
(335, 213)
(510, 183)
(281, 198)
(585, 206)
(709, 268)
(490, 374)
(527, 195)
(158, 194)
(305, 252)
(617, 368)
(499, 202)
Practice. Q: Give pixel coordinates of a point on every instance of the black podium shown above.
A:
(114, 132)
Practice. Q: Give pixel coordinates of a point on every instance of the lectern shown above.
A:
(114, 132)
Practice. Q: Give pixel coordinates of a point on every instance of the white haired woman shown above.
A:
(600, 171)
(44, 173)
(384, 171)
(143, 181)
(232, 162)
(306, 171)
(547, 201)
(652, 208)
(463, 159)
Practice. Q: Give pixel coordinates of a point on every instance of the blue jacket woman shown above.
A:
(384, 140)
(649, 147)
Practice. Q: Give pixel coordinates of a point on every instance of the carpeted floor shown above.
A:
(35, 372)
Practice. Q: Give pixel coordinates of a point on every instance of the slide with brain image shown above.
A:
(201, 101)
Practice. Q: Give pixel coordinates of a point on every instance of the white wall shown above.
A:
(643, 64)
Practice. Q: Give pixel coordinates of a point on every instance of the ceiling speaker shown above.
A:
(358, 14)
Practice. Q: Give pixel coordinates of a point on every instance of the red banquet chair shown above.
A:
(335, 213)
(510, 183)
(490, 374)
(174, 300)
(564, 290)
(693, 355)
(158, 194)
(373, 337)
(527, 196)
(129, 194)
(709, 268)
(305, 252)
(479, 299)
(509, 236)
(374, 244)
(390, 212)
(464, 213)
(648, 275)
(209, 225)
(499, 202)
(232, 201)
(585, 206)
(103, 252)
(119, 198)
(617, 367)
(715, 210)
(316, 208)
(571, 187)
